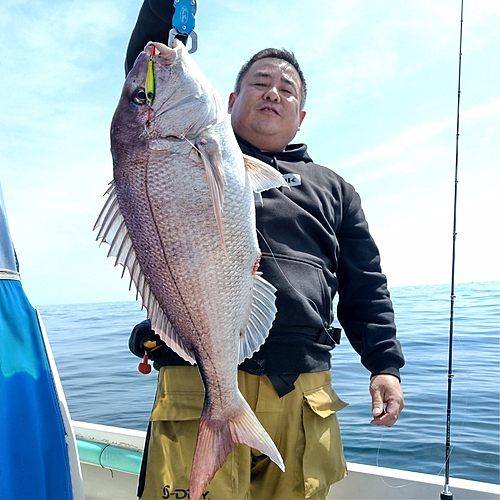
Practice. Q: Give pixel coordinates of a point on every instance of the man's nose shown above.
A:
(272, 94)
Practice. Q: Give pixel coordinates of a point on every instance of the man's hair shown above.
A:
(283, 54)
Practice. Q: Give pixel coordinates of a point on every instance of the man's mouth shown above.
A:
(271, 109)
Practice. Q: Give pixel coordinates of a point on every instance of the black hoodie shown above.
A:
(315, 243)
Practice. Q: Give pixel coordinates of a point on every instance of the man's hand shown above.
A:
(387, 400)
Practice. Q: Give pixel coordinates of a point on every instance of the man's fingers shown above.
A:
(386, 417)
(378, 407)
(387, 400)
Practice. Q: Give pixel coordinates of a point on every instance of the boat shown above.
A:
(110, 459)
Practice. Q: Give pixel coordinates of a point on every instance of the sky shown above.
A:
(382, 81)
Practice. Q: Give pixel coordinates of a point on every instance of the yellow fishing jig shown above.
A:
(150, 86)
(150, 82)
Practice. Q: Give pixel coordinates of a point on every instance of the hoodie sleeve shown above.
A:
(141, 334)
(365, 309)
(154, 23)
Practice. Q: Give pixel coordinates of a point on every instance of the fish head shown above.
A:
(166, 96)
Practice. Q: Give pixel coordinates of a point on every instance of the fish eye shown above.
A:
(139, 96)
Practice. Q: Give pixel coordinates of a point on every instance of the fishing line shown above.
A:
(379, 447)
(446, 493)
(378, 465)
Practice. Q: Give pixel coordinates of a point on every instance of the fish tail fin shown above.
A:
(248, 430)
(215, 442)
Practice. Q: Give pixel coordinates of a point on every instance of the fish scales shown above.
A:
(207, 287)
(184, 227)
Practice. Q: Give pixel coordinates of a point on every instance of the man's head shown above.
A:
(283, 54)
(267, 103)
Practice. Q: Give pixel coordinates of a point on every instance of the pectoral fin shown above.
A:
(211, 156)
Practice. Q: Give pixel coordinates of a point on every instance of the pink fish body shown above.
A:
(180, 217)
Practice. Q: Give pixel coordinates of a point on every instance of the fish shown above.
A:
(180, 216)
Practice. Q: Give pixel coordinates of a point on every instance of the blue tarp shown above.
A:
(33, 453)
(34, 460)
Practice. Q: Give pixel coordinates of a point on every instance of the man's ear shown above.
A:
(302, 116)
(230, 104)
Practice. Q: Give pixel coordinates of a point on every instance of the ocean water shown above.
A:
(102, 383)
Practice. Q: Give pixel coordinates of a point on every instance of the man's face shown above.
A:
(266, 111)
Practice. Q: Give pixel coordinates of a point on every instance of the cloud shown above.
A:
(418, 136)
(400, 144)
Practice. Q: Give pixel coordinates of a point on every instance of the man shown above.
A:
(315, 242)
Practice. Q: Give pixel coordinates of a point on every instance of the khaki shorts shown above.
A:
(303, 424)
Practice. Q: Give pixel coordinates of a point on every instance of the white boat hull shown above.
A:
(102, 480)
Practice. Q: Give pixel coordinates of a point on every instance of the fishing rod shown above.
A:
(446, 494)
